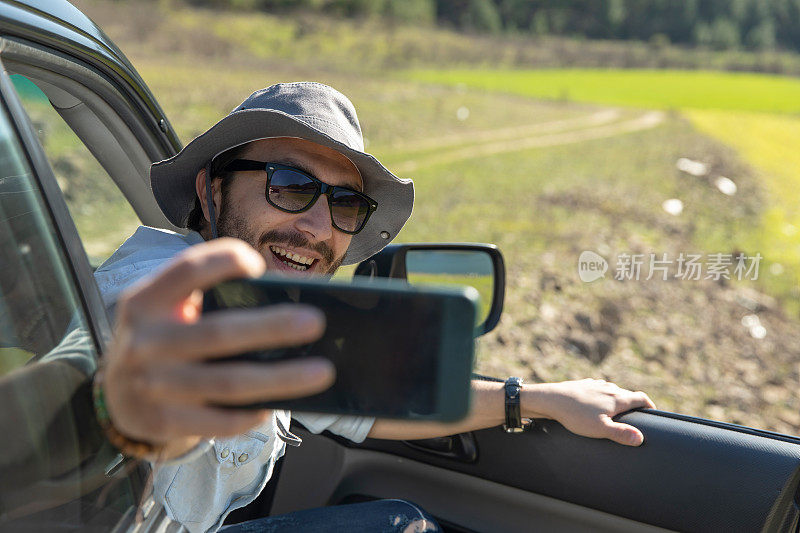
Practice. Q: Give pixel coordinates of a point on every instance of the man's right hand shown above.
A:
(156, 385)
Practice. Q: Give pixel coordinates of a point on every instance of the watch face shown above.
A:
(513, 386)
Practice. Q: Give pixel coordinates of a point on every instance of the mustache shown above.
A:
(297, 240)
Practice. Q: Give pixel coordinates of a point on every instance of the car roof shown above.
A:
(65, 14)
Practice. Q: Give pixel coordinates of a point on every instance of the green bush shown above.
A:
(761, 37)
(724, 34)
(481, 15)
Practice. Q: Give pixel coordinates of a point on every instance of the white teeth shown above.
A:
(294, 257)
(301, 259)
(296, 267)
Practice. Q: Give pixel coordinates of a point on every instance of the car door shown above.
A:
(58, 472)
(690, 475)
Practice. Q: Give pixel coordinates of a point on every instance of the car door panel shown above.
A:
(688, 476)
(460, 502)
(94, 489)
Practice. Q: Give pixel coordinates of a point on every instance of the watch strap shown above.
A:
(513, 391)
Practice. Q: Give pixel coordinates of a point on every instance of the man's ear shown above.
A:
(216, 194)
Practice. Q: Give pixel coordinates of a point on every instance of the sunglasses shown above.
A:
(293, 191)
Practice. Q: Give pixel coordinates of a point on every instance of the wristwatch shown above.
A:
(514, 422)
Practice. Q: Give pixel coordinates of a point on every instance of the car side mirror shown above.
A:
(476, 265)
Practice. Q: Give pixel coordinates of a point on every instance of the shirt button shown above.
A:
(243, 457)
(225, 453)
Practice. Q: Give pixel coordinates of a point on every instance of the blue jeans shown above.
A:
(380, 516)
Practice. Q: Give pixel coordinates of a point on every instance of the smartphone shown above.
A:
(399, 351)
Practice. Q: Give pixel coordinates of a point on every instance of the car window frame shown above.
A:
(127, 124)
(119, 91)
(78, 271)
(78, 268)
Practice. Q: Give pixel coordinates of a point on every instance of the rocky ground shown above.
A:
(684, 343)
(717, 349)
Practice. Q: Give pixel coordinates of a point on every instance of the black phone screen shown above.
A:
(385, 345)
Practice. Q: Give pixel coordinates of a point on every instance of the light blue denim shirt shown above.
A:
(231, 472)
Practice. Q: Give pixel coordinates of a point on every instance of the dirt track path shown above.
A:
(595, 119)
(487, 143)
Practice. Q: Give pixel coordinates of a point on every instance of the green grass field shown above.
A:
(771, 143)
(659, 89)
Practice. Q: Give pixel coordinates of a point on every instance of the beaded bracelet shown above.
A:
(126, 446)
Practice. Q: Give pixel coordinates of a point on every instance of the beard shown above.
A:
(230, 224)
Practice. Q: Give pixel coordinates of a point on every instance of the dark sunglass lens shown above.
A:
(291, 190)
(349, 210)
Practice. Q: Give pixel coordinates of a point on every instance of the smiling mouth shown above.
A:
(289, 258)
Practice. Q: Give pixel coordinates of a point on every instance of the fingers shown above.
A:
(622, 433)
(155, 389)
(643, 400)
(625, 433)
(230, 332)
(241, 383)
(633, 400)
(199, 267)
(630, 400)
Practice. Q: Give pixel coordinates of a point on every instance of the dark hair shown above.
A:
(195, 220)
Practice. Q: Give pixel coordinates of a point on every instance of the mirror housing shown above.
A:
(391, 262)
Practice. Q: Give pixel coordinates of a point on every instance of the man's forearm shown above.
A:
(585, 407)
(488, 410)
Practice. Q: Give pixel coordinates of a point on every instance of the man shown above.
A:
(285, 173)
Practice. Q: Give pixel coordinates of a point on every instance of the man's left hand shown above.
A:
(586, 407)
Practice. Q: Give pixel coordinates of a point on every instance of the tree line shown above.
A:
(718, 24)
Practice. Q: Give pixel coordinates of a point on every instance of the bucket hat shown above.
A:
(310, 111)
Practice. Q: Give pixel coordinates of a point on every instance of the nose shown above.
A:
(316, 220)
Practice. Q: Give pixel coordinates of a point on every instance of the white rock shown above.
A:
(758, 332)
(673, 206)
(725, 185)
(548, 311)
(694, 168)
(751, 321)
(776, 269)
